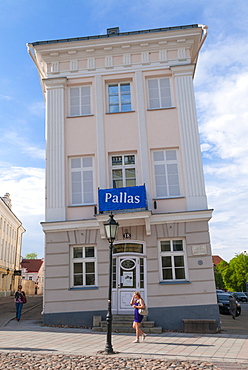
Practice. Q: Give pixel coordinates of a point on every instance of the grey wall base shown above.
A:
(170, 318)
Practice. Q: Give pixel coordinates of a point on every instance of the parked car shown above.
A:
(240, 296)
(223, 302)
(219, 291)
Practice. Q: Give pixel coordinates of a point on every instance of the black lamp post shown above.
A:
(111, 227)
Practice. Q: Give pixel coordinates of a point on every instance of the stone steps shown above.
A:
(124, 324)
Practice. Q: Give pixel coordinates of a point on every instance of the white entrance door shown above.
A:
(128, 276)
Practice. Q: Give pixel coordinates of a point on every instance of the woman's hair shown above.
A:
(19, 287)
(137, 293)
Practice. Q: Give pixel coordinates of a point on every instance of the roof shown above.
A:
(117, 34)
(216, 260)
(32, 265)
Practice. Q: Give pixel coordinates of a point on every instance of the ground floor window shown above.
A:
(83, 266)
(172, 260)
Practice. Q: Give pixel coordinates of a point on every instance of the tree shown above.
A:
(219, 273)
(31, 256)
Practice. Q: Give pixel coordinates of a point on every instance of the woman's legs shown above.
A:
(136, 326)
(18, 310)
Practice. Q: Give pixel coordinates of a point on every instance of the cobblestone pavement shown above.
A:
(56, 362)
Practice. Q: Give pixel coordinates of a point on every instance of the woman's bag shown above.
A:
(143, 311)
(24, 299)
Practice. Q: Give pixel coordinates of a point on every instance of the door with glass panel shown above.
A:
(128, 276)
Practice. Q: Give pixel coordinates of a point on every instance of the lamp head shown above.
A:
(111, 227)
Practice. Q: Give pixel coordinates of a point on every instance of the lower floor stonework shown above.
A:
(168, 262)
(201, 319)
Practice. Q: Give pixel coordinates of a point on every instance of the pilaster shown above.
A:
(101, 156)
(55, 153)
(189, 137)
(143, 143)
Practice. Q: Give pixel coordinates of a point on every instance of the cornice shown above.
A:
(145, 218)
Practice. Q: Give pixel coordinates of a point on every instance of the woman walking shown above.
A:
(20, 298)
(137, 303)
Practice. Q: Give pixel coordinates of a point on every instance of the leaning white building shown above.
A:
(122, 136)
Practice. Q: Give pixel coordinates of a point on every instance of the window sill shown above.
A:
(84, 288)
(82, 205)
(83, 115)
(130, 111)
(162, 108)
(175, 282)
(165, 198)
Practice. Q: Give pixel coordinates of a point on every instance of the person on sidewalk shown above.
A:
(137, 303)
(19, 299)
(232, 306)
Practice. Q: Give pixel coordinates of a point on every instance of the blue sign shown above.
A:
(122, 198)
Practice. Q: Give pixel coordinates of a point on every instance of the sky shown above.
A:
(221, 89)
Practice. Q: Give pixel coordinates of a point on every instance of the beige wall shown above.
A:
(200, 289)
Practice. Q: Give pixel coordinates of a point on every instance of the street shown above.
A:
(31, 316)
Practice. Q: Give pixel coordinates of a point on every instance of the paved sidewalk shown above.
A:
(182, 346)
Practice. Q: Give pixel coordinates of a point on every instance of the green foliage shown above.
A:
(31, 256)
(232, 275)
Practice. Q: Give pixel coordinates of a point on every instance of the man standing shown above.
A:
(232, 306)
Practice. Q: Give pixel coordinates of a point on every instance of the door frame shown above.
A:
(116, 290)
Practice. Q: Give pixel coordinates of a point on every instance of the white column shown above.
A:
(55, 152)
(101, 155)
(143, 143)
(189, 137)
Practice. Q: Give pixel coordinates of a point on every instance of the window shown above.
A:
(172, 260)
(166, 173)
(30, 278)
(82, 183)
(80, 101)
(159, 93)
(119, 97)
(123, 170)
(83, 266)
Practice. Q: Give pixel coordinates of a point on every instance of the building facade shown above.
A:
(11, 231)
(33, 270)
(122, 136)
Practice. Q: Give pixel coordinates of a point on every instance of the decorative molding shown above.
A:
(189, 136)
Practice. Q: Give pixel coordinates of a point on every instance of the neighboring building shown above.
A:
(120, 115)
(11, 231)
(33, 270)
(216, 260)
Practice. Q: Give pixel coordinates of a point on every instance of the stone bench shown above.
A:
(200, 326)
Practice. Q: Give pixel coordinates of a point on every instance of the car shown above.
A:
(219, 291)
(223, 303)
(240, 296)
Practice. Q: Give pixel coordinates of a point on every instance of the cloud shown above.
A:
(22, 144)
(5, 97)
(221, 96)
(26, 186)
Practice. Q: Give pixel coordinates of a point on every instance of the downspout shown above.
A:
(41, 73)
(205, 33)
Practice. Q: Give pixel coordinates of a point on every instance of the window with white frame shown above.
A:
(159, 93)
(119, 97)
(83, 266)
(172, 260)
(82, 182)
(80, 101)
(123, 170)
(166, 173)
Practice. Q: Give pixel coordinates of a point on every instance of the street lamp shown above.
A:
(111, 227)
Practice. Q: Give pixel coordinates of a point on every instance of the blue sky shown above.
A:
(221, 86)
